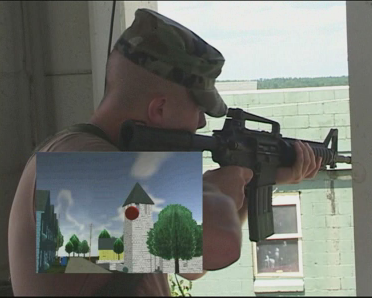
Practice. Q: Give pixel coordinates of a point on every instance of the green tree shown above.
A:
(280, 83)
(199, 241)
(84, 247)
(75, 242)
(80, 249)
(59, 240)
(104, 234)
(69, 248)
(150, 241)
(173, 235)
(118, 246)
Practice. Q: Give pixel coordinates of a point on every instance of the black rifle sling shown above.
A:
(81, 127)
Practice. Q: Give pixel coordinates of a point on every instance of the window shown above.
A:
(280, 255)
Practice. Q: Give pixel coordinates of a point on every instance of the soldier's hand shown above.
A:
(306, 166)
(231, 181)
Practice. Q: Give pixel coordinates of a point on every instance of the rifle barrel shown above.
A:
(343, 159)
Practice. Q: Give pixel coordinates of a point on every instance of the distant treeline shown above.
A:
(277, 83)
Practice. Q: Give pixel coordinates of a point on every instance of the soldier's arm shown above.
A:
(221, 232)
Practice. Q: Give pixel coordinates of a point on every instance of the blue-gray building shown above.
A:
(46, 231)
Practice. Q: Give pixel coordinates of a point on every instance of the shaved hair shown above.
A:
(131, 86)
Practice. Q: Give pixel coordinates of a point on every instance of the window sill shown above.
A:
(270, 285)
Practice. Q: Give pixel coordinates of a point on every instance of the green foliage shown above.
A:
(150, 242)
(84, 247)
(75, 242)
(69, 248)
(118, 247)
(199, 241)
(174, 235)
(80, 249)
(174, 289)
(280, 83)
(104, 234)
(59, 240)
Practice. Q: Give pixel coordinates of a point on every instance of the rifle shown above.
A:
(261, 151)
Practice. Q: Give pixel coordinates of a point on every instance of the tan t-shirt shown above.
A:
(22, 241)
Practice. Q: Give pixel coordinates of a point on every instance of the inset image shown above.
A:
(119, 212)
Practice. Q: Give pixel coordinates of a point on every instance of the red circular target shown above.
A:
(131, 213)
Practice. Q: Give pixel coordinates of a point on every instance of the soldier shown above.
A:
(162, 74)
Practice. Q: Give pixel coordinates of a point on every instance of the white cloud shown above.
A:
(157, 208)
(120, 215)
(64, 204)
(148, 163)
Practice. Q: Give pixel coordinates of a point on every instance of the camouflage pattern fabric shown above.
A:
(170, 50)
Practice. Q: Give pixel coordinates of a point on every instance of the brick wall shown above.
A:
(326, 207)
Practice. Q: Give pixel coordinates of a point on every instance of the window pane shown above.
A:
(277, 256)
(285, 219)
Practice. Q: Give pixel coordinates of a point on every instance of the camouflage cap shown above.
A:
(168, 49)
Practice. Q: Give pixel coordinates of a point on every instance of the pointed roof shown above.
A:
(138, 196)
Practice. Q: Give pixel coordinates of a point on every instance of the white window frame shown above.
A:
(284, 199)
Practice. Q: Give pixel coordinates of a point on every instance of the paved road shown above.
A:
(80, 265)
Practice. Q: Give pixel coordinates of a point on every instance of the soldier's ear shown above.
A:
(156, 111)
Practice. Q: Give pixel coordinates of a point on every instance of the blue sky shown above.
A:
(268, 39)
(89, 187)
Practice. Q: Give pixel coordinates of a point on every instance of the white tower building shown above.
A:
(137, 257)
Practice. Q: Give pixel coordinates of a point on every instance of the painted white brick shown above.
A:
(322, 120)
(313, 108)
(296, 121)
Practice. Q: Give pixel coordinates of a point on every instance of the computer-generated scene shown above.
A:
(119, 212)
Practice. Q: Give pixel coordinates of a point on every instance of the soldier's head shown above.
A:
(163, 74)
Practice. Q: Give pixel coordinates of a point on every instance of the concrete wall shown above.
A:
(17, 133)
(67, 58)
(359, 34)
(326, 202)
(195, 265)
